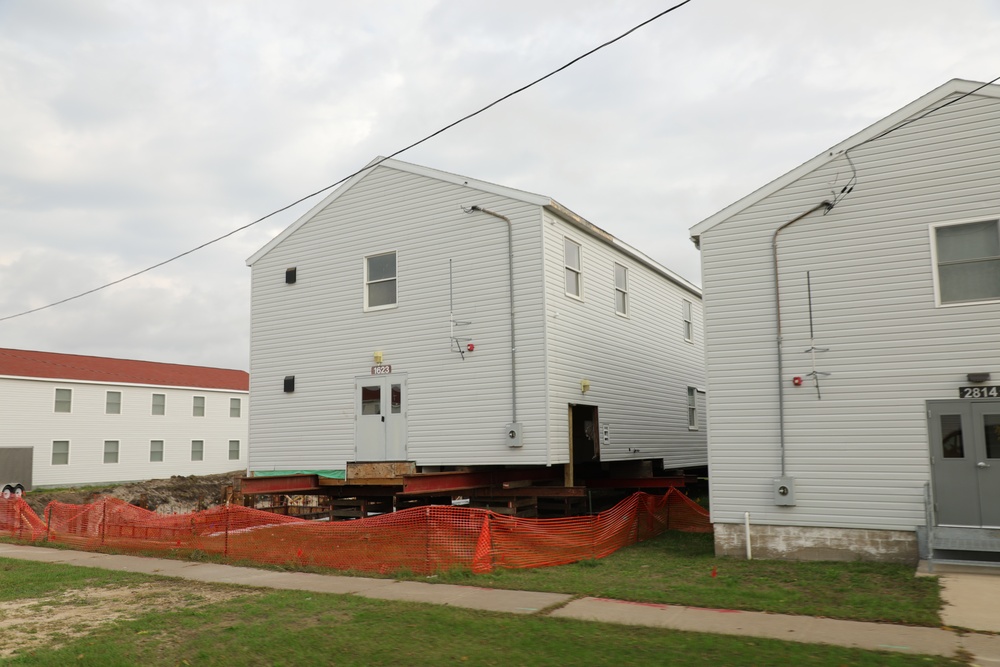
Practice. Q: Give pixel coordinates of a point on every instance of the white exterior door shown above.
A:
(380, 418)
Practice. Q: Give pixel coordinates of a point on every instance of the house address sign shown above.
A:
(979, 392)
(381, 370)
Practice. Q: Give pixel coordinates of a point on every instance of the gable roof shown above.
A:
(56, 366)
(924, 103)
(511, 193)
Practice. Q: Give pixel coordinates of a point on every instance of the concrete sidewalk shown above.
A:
(972, 602)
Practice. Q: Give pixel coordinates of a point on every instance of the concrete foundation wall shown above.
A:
(811, 543)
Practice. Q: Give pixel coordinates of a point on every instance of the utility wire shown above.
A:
(352, 175)
(853, 180)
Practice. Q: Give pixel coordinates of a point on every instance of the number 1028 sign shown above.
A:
(979, 392)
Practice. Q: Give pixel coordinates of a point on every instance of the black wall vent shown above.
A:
(290, 275)
(289, 384)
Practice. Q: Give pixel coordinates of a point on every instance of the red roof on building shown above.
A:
(26, 363)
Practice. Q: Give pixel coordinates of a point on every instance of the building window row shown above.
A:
(112, 451)
(158, 406)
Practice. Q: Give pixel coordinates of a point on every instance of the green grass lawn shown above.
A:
(300, 628)
(676, 568)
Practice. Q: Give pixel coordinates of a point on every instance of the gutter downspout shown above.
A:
(825, 204)
(510, 291)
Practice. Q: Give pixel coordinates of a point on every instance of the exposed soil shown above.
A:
(54, 620)
(174, 495)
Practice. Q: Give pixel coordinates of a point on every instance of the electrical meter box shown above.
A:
(784, 491)
(513, 435)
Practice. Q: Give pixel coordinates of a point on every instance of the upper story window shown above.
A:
(688, 325)
(159, 404)
(692, 409)
(380, 281)
(64, 400)
(198, 406)
(574, 268)
(235, 407)
(621, 289)
(967, 259)
(113, 403)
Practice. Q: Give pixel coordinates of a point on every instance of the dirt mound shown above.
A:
(174, 495)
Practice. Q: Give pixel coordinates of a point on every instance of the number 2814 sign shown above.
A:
(979, 392)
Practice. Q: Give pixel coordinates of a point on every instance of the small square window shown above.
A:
(380, 281)
(159, 404)
(113, 403)
(60, 452)
(235, 407)
(111, 451)
(198, 408)
(574, 270)
(688, 324)
(968, 261)
(234, 450)
(197, 450)
(621, 289)
(155, 451)
(64, 400)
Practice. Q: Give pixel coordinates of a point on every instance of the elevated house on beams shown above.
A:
(442, 323)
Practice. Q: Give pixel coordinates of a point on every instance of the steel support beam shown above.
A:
(283, 484)
(635, 483)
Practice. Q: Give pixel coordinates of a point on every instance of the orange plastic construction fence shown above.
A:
(422, 540)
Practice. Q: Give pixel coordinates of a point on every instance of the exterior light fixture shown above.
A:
(797, 381)
(978, 377)
(584, 386)
(378, 357)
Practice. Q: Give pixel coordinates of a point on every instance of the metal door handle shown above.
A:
(982, 464)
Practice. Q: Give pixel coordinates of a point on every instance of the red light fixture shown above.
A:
(797, 381)
(471, 347)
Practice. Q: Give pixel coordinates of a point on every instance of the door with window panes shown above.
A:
(965, 462)
(380, 418)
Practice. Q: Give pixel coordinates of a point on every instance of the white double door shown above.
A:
(380, 417)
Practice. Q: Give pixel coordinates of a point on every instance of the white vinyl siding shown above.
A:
(64, 400)
(456, 408)
(60, 452)
(159, 404)
(113, 403)
(380, 281)
(111, 451)
(156, 451)
(197, 450)
(967, 261)
(573, 258)
(621, 289)
(198, 406)
(859, 453)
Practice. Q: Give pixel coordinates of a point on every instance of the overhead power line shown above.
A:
(352, 175)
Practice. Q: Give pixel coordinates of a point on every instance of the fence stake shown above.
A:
(226, 546)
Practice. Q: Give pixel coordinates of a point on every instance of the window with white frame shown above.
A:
(235, 407)
(692, 409)
(111, 451)
(198, 406)
(113, 403)
(155, 451)
(234, 450)
(64, 400)
(573, 256)
(380, 281)
(159, 404)
(621, 289)
(197, 450)
(968, 261)
(688, 325)
(60, 452)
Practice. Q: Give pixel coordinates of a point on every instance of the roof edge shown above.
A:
(951, 87)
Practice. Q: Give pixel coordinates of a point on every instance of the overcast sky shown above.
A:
(131, 131)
